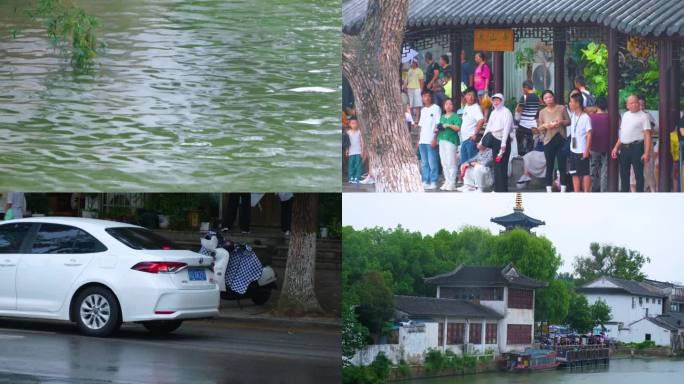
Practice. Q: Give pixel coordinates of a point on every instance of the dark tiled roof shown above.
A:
(673, 319)
(628, 286)
(517, 219)
(464, 276)
(661, 323)
(415, 306)
(641, 17)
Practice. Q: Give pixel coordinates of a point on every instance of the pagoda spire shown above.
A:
(518, 202)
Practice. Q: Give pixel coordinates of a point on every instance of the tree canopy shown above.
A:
(610, 260)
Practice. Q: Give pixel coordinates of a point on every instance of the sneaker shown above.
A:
(432, 186)
(549, 189)
(462, 188)
(353, 181)
(426, 185)
(450, 187)
(368, 180)
(562, 188)
(286, 233)
(470, 189)
(524, 179)
(444, 187)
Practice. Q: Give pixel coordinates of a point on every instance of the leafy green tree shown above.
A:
(579, 313)
(600, 312)
(376, 301)
(534, 256)
(552, 303)
(609, 260)
(353, 334)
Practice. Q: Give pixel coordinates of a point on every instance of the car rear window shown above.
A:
(141, 238)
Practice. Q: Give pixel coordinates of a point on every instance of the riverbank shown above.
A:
(619, 371)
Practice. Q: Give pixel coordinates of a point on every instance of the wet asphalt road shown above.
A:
(199, 352)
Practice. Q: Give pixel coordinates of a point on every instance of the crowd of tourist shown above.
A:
(470, 144)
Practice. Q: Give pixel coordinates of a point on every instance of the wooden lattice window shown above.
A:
(519, 334)
(455, 333)
(475, 336)
(520, 298)
(490, 334)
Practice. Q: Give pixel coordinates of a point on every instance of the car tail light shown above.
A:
(159, 267)
(164, 312)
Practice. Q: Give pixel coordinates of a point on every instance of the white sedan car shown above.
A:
(101, 273)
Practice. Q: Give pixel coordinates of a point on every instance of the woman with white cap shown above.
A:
(499, 125)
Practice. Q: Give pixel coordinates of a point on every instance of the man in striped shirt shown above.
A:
(528, 107)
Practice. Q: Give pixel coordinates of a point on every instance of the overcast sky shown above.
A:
(652, 224)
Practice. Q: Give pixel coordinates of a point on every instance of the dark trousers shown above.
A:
(286, 214)
(525, 140)
(243, 201)
(501, 168)
(630, 156)
(552, 152)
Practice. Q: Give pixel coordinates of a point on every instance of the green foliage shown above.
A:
(70, 29)
(645, 344)
(533, 256)
(330, 213)
(435, 360)
(600, 312)
(612, 261)
(376, 302)
(640, 78)
(405, 258)
(376, 373)
(596, 68)
(552, 303)
(524, 57)
(354, 334)
(403, 368)
(579, 314)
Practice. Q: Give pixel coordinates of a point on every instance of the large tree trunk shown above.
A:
(298, 297)
(370, 62)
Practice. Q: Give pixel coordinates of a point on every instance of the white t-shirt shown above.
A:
(471, 115)
(429, 118)
(579, 127)
(633, 126)
(355, 142)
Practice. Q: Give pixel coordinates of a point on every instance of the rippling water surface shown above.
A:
(202, 95)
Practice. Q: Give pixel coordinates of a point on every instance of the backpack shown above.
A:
(591, 100)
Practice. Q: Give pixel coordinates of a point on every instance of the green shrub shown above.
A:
(434, 361)
(645, 344)
(403, 368)
(376, 373)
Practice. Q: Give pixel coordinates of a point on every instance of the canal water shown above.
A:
(620, 371)
(188, 95)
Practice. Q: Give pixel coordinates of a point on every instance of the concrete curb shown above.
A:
(328, 324)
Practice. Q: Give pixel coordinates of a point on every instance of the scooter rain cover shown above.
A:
(243, 268)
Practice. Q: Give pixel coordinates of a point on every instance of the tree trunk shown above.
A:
(298, 297)
(370, 62)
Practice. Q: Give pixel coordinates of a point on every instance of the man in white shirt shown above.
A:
(427, 143)
(633, 145)
(473, 119)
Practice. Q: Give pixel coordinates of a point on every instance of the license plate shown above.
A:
(197, 274)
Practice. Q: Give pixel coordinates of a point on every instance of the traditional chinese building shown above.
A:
(517, 219)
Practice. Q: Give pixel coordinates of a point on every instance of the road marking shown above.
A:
(10, 337)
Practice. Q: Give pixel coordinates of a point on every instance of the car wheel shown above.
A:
(162, 327)
(261, 296)
(98, 312)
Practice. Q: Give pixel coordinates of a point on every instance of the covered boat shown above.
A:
(532, 360)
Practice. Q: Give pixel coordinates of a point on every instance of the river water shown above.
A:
(620, 371)
(202, 95)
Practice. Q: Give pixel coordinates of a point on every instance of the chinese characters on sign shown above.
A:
(487, 39)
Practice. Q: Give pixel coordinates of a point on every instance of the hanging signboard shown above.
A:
(490, 39)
